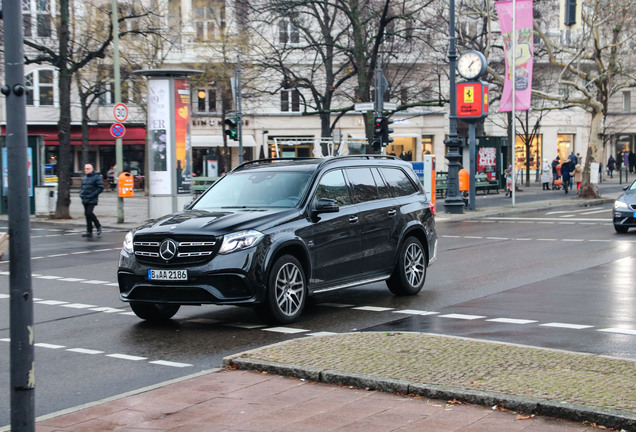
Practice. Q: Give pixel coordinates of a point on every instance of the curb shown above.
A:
(616, 419)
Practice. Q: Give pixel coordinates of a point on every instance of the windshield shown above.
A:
(257, 189)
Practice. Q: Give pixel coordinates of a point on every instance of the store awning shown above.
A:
(217, 141)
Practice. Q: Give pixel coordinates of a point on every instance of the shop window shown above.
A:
(565, 145)
(41, 88)
(533, 153)
(37, 18)
(427, 145)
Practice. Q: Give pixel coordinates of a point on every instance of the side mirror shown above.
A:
(326, 205)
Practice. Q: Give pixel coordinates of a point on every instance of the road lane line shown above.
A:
(51, 346)
(126, 357)
(566, 326)
(462, 316)
(511, 321)
(373, 308)
(169, 363)
(286, 330)
(619, 331)
(85, 351)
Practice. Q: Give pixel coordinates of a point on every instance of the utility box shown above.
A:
(45, 200)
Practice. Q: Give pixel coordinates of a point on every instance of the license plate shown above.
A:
(168, 274)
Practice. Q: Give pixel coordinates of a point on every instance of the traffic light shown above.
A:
(231, 128)
(386, 131)
(377, 134)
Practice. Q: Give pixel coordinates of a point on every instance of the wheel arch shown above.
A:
(293, 247)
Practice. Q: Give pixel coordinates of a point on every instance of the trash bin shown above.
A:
(45, 200)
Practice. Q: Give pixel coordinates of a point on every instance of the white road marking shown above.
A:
(5, 340)
(106, 309)
(85, 351)
(322, 333)
(79, 306)
(71, 280)
(286, 330)
(373, 308)
(619, 331)
(126, 357)
(566, 325)
(51, 346)
(52, 302)
(48, 277)
(415, 312)
(517, 219)
(4, 296)
(95, 282)
(497, 238)
(512, 321)
(169, 363)
(80, 252)
(462, 316)
(336, 305)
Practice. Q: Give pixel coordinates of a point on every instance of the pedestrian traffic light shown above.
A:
(231, 128)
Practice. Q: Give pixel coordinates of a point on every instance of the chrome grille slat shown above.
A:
(190, 249)
(148, 254)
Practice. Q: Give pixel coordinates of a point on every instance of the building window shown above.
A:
(290, 100)
(627, 101)
(37, 18)
(206, 100)
(207, 17)
(41, 88)
(288, 32)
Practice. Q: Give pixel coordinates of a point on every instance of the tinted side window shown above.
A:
(332, 185)
(398, 181)
(363, 185)
(383, 188)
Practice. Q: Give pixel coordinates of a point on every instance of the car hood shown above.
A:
(217, 221)
(629, 196)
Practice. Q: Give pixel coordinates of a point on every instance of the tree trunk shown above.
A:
(589, 190)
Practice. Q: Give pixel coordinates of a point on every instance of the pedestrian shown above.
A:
(566, 169)
(611, 166)
(632, 161)
(92, 186)
(508, 174)
(573, 159)
(555, 176)
(546, 171)
(578, 176)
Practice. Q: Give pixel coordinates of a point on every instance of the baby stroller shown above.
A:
(557, 184)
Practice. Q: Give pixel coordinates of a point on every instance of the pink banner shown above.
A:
(523, 56)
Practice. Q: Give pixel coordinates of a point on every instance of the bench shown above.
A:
(201, 184)
(441, 185)
(482, 183)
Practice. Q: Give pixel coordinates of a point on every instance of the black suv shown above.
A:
(272, 232)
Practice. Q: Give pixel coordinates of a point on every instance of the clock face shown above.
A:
(471, 64)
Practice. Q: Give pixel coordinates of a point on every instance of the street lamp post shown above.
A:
(453, 202)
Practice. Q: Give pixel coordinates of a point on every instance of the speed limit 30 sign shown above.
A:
(120, 112)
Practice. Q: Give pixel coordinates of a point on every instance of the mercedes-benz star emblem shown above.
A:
(168, 249)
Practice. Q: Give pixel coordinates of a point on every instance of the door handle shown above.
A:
(392, 212)
(353, 219)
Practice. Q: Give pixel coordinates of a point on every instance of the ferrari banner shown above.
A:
(523, 56)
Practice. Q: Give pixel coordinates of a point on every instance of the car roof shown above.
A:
(311, 164)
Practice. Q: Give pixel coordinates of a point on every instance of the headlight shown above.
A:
(239, 241)
(128, 243)
(620, 205)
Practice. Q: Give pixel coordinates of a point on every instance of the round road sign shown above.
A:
(120, 111)
(117, 130)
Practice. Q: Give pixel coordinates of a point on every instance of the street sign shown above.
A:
(117, 130)
(390, 106)
(364, 106)
(120, 112)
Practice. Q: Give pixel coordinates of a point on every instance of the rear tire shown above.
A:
(154, 312)
(621, 229)
(286, 292)
(410, 272)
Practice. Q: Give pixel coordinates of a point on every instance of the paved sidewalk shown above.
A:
(377, 381)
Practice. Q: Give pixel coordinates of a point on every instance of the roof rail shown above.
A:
(328, 160)
(274, 160)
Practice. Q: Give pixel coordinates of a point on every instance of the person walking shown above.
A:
(611, 166)
(631, 158)
(92, 186)
(578, 176)
(566, 169)
(555, 176)
(546, 174)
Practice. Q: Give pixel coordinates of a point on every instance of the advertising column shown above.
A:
(169, 146)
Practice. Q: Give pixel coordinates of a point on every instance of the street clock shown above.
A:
(471, 65)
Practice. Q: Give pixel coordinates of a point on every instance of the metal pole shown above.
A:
(20, 287)
(119, 158)
(453, 202)
(239, 110)
(473, 168)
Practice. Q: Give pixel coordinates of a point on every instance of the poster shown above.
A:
(183, 145)
(159, 137)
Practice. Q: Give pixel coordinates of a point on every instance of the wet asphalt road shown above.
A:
(555, 279)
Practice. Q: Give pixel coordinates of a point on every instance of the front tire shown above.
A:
(154, 312)
(286, 292)
(621, 229)
(410, 272)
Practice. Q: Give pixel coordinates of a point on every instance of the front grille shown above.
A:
(190, 249)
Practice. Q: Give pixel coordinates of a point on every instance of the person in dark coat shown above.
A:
(632, 161)
(92, 186)
(611, 166)
(566, 169)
